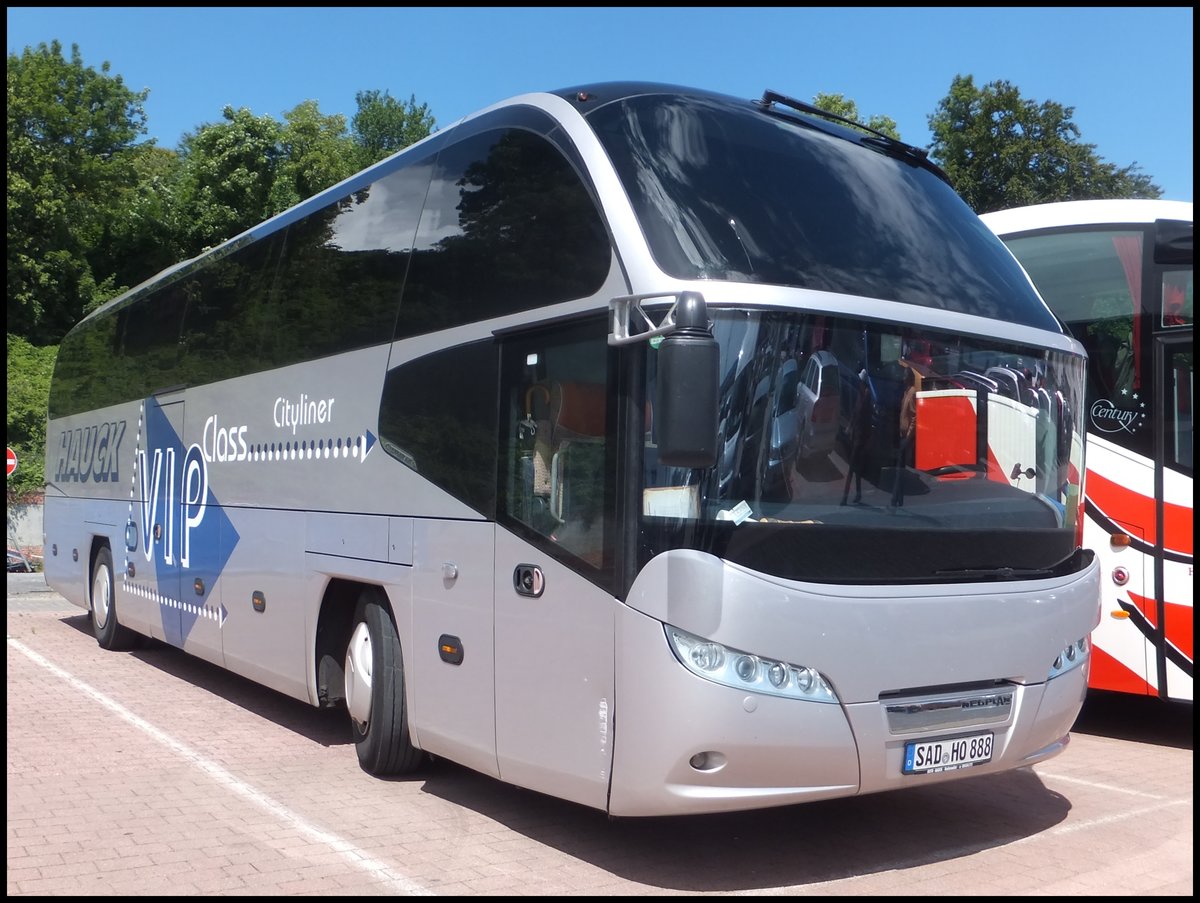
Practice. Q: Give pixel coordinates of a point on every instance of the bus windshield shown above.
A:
(734, 193)
(937, 456)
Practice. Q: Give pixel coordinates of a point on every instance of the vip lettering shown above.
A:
(161, 485)
(91, 453)
(303, 412)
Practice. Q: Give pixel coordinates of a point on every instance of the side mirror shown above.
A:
(685, 410)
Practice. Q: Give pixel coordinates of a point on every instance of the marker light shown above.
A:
(1071, 656)
(745, 671)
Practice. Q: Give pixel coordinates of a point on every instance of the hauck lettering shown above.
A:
(91, 453)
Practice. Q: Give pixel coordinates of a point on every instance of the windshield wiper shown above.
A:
(1001, 573)
(875, 137)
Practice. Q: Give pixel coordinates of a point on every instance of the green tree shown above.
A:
(315, 152)
(1002, 151)
(71, 134)
(843, 106)
(226, 174)
(29, 371)
(383, 125)
(144, 237)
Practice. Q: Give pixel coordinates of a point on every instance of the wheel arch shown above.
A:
(99, 541)
(335, 624)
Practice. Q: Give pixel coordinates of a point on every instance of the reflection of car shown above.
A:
(818, 398)
(17, 563)
(760, 448)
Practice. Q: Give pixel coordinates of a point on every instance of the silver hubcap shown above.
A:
(101, 596)
(358, 677)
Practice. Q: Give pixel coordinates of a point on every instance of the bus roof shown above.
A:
(1075, 213)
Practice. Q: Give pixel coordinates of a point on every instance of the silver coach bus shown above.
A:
(658, 450)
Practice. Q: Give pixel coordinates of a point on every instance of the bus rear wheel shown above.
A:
(110, 633)
(375, 690)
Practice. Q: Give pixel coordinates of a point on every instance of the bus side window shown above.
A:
(1177, 290)
(577, 468)
(556, 442)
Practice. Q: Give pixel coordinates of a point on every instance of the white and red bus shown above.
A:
(1119, 275)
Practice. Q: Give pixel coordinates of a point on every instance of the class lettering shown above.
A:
(221, 443)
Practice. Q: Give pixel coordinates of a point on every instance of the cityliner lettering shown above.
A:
(303, 412)
(91, 454)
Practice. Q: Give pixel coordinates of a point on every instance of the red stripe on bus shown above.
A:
(1179, 626)
(1126, 506)
(1109, 674)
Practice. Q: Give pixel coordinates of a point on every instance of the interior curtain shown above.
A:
(1129, 250)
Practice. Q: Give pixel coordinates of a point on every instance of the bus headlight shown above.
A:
(746, 671)
(1070, 657)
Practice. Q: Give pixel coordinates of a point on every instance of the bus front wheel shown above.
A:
(375, 690)
(110, 633)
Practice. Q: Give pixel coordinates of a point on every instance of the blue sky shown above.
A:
(1126, 71)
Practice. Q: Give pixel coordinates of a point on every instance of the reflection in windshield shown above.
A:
(731, 193)
(825, 423)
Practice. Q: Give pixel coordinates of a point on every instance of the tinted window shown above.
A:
(909, 471)
(88, 349)
(1181, 408)
(1094, 281)
(508, 226)
(224, 319)
(730, 192)
(558, 445)
(343, 270)
(330, 282)
(149, 332)
(438, 416)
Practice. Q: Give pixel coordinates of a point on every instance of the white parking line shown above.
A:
(1113, 788)
(344, 848)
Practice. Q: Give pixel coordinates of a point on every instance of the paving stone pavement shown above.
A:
(153, 773)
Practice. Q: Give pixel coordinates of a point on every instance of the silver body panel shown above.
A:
(302, 497)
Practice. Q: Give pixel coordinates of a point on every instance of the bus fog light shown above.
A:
(709, 760)
(805, 679)
(777, 674)
(708, 656)
(746, 667)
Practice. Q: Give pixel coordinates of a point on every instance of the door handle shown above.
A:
(528, 580)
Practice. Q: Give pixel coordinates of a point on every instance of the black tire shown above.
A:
(374, 666)
(102, 606)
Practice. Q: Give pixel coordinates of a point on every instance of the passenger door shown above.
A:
(152, 591)
(1174, 502)
(554, 564)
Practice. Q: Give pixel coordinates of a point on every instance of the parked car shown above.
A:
(818, 399)
(18, 563)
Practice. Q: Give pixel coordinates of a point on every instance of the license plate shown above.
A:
(947, 755)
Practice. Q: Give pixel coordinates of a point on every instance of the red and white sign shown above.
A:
(12, 461)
